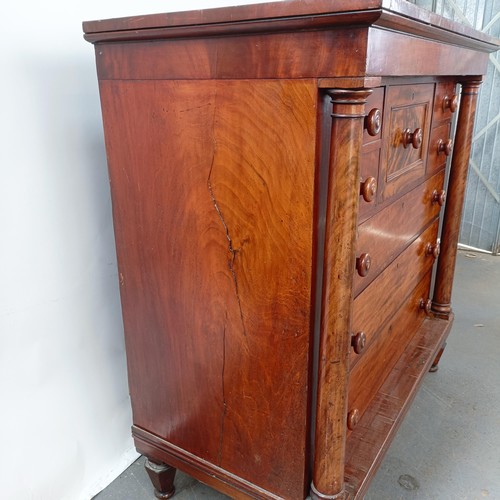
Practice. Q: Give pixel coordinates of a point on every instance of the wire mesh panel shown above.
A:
(481, 218)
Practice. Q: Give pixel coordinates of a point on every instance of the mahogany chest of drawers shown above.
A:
(286, 243)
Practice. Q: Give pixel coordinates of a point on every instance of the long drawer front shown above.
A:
(385, 235)
(386, 347)
(381, 300)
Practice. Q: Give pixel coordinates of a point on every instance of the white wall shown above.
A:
(65, 418)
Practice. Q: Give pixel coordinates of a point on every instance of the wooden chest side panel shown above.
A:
(213, 210)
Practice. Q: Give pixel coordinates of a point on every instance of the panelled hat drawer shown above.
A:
(407, 119)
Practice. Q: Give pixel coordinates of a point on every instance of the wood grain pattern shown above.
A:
(239, 15)
(439, 113)
(375, 101)
(162, 477)
(385, 235)
(369, 167)
(348, 112)
(404, 55)
(396, 15)
(236, 201)
(455, 200)
(374, 433)
(302, 55)
(198, 230)
(437, 160)
(380, 301)
(407, 107)
(386, 347)
(231, 485)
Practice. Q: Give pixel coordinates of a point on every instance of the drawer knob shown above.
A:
(358, 342)
(445, 146)
(433, 250)
(353, 418)
(439, 197)
(373, 122)
(414, 138)
(450, 102)
(369, 189)
(363, 264)
(426, 305)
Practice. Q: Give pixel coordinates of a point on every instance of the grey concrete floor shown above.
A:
(448, 447)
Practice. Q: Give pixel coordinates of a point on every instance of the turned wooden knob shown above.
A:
(450, 102)
(433, 250)
(373, 121)
(439, 197)
(445, 146)
(368, 189)
(363, 263)
(414, 138)
(426, 305)
(353, 418)
(358, 342)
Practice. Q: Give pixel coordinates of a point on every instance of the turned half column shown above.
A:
(441, 304)
(336, 310)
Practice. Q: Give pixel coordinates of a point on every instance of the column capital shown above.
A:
(349, 103)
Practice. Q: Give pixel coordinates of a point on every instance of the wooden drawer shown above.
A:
(375, 365)
(374, 102)
(369, 173)
(370, 153)
(440, 147)
(383, 297)
(407, 118)
(385, 235)
(445, 102)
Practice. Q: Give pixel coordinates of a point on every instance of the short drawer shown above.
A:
(440, 147)
(369, 165)
(384, 296)
(373, 120)
(445, 102)
(366, 378)
(405, 137)
(385, 235)
(370, 153)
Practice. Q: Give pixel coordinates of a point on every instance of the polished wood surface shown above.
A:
(220, 58)
(368, 185)
(201, 224)
(231, 485)
(440, 147)
(397, 15)
(390, 231)
(277, 174)
(410, 57)
(407, 119)
(162, 477)
(372, 308)
(375, 430)
(348, 111)
(380, 356)
(445, 102)
(454, 204)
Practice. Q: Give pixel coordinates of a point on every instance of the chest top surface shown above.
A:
(289, 15)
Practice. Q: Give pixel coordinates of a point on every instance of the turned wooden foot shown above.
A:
(162, 477)
(435, 367)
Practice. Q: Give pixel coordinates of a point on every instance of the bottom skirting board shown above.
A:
(366, 444)
(158, 449)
